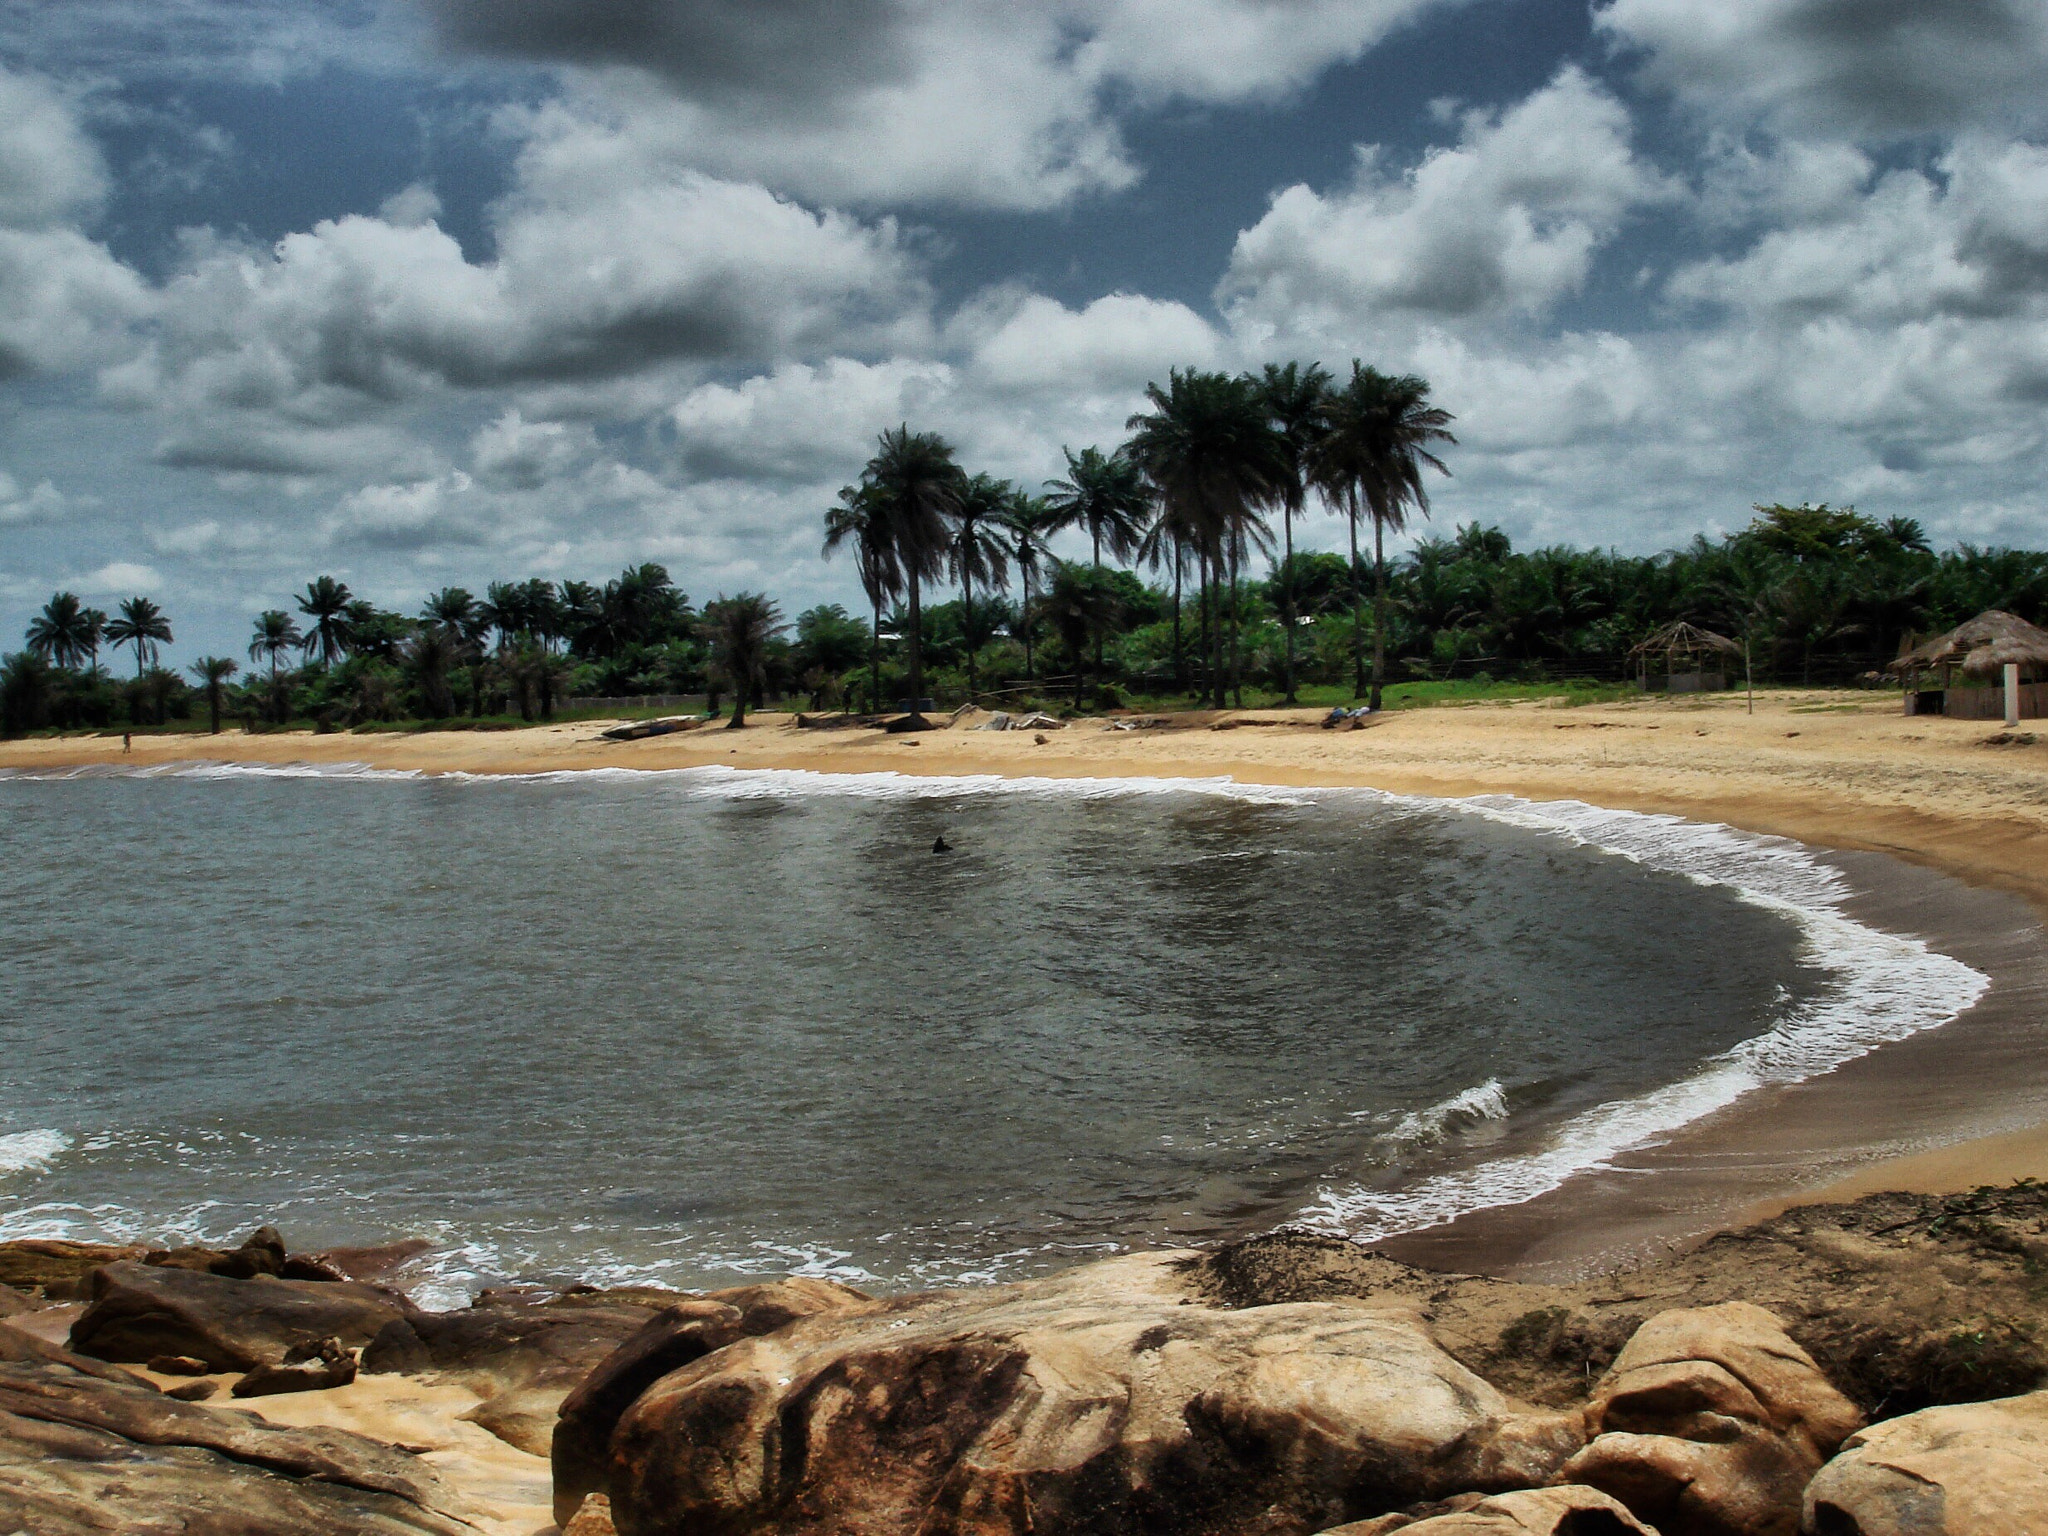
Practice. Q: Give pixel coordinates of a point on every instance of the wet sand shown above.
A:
(1942, 826)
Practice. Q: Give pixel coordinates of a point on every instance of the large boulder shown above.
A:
(1973, 1469)
(1563, 1511)
(140, 1311)
(1710, 1423)
(677, 1336)
(87, 1449)
(522, 1351)
(1102, 1400)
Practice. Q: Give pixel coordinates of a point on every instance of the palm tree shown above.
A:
(1030, 522)
(740, 629)
(26, 687)
(213, 672)
(276, 633)
(1214, 459)
(1168, 542)
(66, 633)
(1107, 495)
(431, 654)
(325, 602)
(1081, 603)
(978, 550)
(1370, 463)
(1297, 400)
(918, 487)
(858, 519)
(141, 624)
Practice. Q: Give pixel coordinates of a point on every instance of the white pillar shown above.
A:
(2012, 693)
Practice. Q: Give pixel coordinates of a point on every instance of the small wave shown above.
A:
(1475, 1106)
(26, 1151)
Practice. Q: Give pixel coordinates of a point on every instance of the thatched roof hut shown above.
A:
(1984, 647)
(1682, 639)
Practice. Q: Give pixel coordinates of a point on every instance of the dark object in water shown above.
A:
(940, 845)
(640, 729)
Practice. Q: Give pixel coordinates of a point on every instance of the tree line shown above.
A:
(1202, 498)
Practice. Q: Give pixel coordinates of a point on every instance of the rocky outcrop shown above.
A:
(1102, 1400)
(58, 1269)
(1974, 1469)
(1711, 1423)
(1561, 1511)
(679, 1335)
(88, 1448)
(521, 1351)
(332, 1364)
(139, 1311)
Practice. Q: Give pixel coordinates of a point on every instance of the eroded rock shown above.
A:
(56, 1268)
(1972, 1469)
(140, 1311)
(88, 1448)
(677, 1336)
(1563, 1511)
(1101, 1400)
(1710, 1423)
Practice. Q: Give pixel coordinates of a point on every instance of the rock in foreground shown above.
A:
(140, 1311)
(86, 1449)
(1095, 1402)
(1974, 1469)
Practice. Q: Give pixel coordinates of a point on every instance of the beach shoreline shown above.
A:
(1965, 815)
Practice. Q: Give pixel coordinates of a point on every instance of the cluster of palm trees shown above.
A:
(1195, 488)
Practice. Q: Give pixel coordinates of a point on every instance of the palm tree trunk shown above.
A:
(213, 707)
(967, 628)
(875, 658)
(916, 645)
(1357, 614)
(1180, 672)
(1024, 622)
(1096, 536)
(1238, 627)
(1379, 609)
(1287, 596)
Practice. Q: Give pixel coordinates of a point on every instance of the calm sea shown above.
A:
(700, 1025)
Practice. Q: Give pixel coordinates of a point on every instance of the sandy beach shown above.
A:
(1941, 825)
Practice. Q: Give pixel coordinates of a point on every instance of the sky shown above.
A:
(430, 292)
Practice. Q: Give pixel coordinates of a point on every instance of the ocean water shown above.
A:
(703, 1025)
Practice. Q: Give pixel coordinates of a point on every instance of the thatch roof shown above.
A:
(1682, 639)
(1983, 647)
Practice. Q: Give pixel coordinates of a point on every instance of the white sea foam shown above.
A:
(26, 1151)
(1882, 987)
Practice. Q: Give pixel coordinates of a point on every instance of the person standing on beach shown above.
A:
(127, 742)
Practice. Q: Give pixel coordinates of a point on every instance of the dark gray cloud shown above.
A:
(796, 52)
(1857, 67)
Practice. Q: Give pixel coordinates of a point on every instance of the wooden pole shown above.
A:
(1748, 677)
(2012, 694)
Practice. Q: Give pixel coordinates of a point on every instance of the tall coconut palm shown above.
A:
(141, 624)
(213, 673)
(858, 520)
(1381, 435)
(978, 551)
(325, 601)
(740, 629)
(918, 487)
(66, 633)
(1105, 494)
(1297, 400)
(276, 633)
(1168, 544)
(1214, 459)
(1030, 522)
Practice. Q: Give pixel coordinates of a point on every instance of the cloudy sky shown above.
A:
(430, 291)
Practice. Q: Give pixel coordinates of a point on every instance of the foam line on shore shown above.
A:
(1883, 987)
